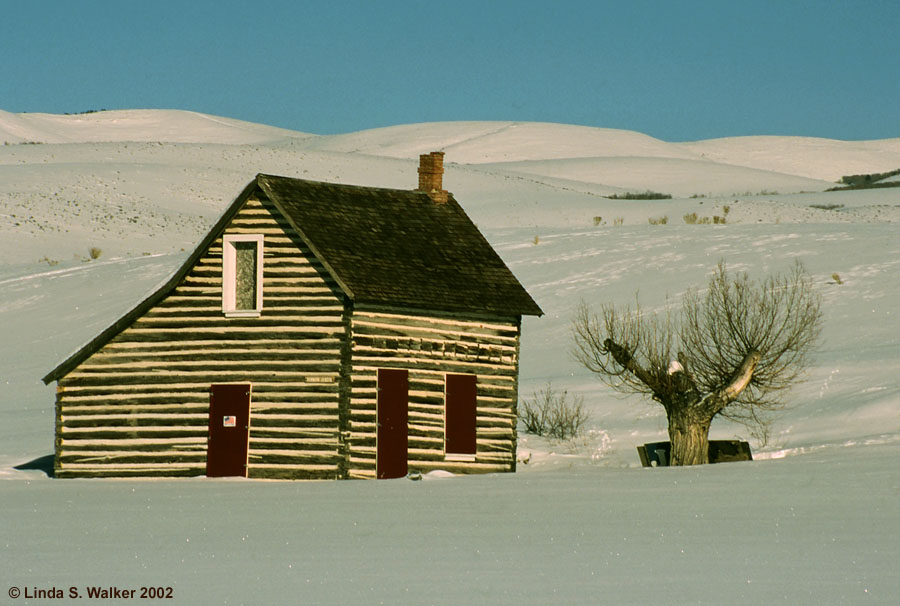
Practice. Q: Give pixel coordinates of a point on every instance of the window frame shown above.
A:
(229, 275)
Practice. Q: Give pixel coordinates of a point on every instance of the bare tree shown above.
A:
(731, 351)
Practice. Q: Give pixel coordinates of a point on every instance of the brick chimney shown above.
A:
(431, 176)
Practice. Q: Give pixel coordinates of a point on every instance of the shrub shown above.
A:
(598, 221)
(95, 252)
(551, 413)
(618, 221)
(658, 220)
(693, 219)
(862, 181)
(644, 195)
(837, 278)
(877, 184)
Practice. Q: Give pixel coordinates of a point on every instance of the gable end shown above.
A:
(141, 308)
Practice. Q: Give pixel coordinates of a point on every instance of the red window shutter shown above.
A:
(460, 399)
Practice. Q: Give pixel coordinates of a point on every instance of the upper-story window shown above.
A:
(242, 275)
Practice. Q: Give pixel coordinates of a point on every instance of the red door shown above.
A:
(229, 430)
(460, 399)
(392, 437)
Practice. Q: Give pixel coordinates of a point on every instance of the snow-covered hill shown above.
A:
(171, 126)
(492, 142)
(144, 183)
(811, 521)
(68, 183)
(815, 158)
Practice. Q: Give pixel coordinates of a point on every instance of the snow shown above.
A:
(813, 529)
(811, 157)
(812, 520)
(136, 125)
(490, 142)
(674, 176)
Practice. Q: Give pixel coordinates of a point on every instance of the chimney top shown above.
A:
(431, 174)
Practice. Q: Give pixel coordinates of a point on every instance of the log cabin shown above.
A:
(318, 331)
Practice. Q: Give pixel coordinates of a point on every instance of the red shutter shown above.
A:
(460, 401)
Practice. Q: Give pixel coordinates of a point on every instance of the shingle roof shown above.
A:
(385, 246)
(399, 247)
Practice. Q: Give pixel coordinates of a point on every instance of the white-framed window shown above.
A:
(242, 275)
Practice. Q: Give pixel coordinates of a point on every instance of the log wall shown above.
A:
(430, 347)
(140, 404)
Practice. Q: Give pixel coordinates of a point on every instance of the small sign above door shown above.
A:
(229, 421)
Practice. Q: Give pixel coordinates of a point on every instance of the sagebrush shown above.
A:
(553, 414)
(641, 195)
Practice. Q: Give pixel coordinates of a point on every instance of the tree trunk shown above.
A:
(690, 416)
(689, 437)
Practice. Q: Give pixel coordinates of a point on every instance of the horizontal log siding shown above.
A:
(429, 347)
(140, 405)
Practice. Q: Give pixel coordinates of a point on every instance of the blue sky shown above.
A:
(675, 70)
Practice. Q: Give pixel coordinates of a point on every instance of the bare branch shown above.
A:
(624, 359)
(739, 344)
(742, 377)
(642, 343)
(779, 318)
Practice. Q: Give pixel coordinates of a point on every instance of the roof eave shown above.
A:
(264, 185)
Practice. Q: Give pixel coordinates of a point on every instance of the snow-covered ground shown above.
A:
(812, 520)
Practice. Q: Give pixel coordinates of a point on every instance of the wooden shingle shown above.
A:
(399, 247)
